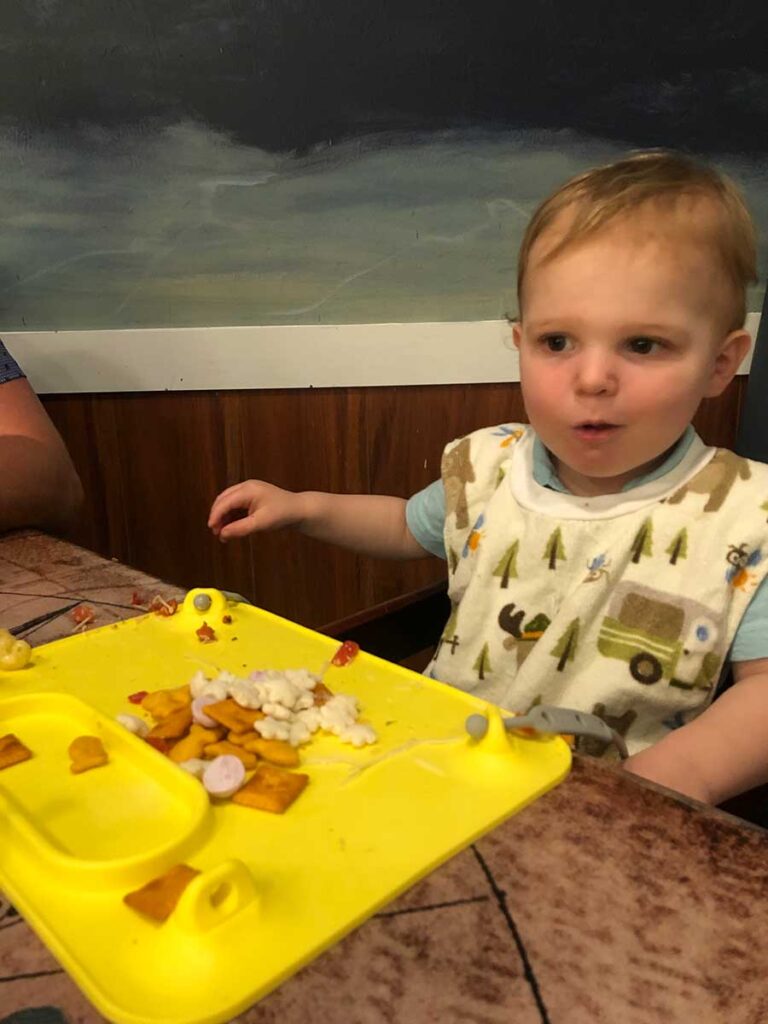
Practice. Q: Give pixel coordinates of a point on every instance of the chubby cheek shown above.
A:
(665, 401)
(543, 392)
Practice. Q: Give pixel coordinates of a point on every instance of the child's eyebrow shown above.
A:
(633, 329)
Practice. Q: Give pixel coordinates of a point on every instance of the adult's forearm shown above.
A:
(38, 485)
(370, 524)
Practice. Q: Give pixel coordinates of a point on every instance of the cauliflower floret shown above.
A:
(343, 704)
(280, 691)
(309, 717)
(301, 677)
(214, 688)
(134, 724)
(288, 701)
(247, 695)
(278, 711)
(195, 766)
(338, 713)
(305, 701)
(358, 734)
(299, 733)
(271, 729)
(197, 683)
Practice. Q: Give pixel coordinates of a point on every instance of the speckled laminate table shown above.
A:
(606, 902)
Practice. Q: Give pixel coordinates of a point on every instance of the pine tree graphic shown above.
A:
(554, 549)
(449, 635)
(565, 648)
(679, 547)
(482, 663)
(507, 567)
(643, 544)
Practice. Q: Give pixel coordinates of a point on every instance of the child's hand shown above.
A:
(251, 506)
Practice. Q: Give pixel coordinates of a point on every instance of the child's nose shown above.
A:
(596, 374)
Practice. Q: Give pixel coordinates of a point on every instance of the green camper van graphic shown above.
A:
(661, 637)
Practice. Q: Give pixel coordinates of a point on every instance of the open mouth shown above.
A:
(595, 428)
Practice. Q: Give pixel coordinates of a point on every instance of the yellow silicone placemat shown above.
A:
(274, 890)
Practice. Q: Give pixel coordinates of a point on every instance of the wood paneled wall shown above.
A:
(152, 463)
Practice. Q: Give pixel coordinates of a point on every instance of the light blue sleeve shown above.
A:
(425, 516)
(751, 640)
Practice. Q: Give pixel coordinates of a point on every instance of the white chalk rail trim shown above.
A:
(234, 358)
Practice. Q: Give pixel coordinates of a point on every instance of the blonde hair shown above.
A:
(660, 178)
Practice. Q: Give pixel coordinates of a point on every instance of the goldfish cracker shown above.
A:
(223, 747)
(209, 735)
(14, 654)
(192, 745)
(86, 752)
(240, 738)
(174, 726)
(12, 751)
(275, 751)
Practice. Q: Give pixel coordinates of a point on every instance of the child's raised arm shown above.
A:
(371, 524)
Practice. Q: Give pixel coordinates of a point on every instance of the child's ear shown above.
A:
(727, 362)
(517, 333)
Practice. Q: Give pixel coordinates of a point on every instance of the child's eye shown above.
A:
(643, 346)
(556, 342)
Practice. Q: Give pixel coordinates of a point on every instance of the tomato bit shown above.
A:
(205, 634)
(138, 697)
(346, 653)
(164, 608)
(82, 616)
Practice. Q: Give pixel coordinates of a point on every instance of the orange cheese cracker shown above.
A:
(86, 752)
(229, 713)
(249, 760)
(12, 751)
(158, 898)
(162, 703)
(271, 789)
(275, 751)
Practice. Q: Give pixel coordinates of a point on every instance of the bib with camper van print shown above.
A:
(622, 605)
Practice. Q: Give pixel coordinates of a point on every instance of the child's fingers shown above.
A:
(234, 531)
(228, 501)
(261, 519)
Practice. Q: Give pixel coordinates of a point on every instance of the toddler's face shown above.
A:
(620, 338)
